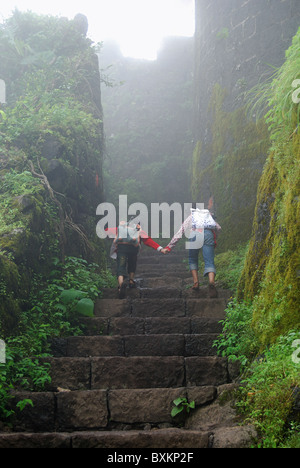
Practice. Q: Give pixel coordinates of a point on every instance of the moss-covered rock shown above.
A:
(272, 270)
(238, 152)
(10, 285)
(51, 152)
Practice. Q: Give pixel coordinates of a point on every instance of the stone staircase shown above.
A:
(115, 386)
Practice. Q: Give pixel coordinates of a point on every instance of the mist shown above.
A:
(149, 225)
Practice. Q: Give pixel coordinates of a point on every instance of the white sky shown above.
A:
(137, 25)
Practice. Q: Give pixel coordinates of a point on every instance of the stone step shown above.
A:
(163, 282)
(162, 306)
(162, 269)
(78, 373)
(160, 259)
(162, 292)
(148, 252)
(103, 410)
(150, 325)
(158, 269)
(116, 372)
(114, 387)
(146, 439)
(137, 345)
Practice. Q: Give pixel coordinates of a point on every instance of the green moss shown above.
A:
(51, 150)
(271, 273)
(229, 266)
(272, 270)
(9, 296)
(237, 154)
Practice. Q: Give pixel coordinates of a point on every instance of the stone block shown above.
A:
(95, 326)
(126, 326)
(160, 307)
(200, 345)
(159, 439)
(70, 373)
(143, 406)
(201, 325)
(34, 440)
(112, 308)
(137, 372)
(161, 293)
(163, 282)
(212, 308)
(85, 346)
(167, 325)
(154, 345)
(201, 395)
(206, 371)
(82, 410)
(39, 417)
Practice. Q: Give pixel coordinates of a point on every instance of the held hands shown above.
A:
(165, 251)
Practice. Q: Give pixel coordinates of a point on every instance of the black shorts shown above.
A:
(126, 259)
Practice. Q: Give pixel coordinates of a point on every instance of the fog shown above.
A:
(137, 25)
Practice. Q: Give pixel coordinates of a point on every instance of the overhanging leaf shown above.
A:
(70, 295)
(85, 307)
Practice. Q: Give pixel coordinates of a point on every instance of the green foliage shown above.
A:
(181, 404)
(269, 380)
(30, 41)
(237, 153)
(271, 273)
(229, 266)
(69, 294)
(50, 154)
(53, 110)
(273, 98)
(268, 394)
(58, 304)
(50, 151)
(21, 371)
(13, 185)
(237, 340)
(23, 403)
(262, 324)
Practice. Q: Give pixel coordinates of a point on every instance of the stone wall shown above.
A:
(237, 45)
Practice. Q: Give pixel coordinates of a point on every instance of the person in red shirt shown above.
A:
(126, 256)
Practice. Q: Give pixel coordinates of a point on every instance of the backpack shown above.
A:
(128, 234)
(202, 219)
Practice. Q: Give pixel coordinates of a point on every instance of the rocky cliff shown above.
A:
(51, 151)
(237, 45)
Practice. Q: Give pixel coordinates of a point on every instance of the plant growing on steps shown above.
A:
(181, 404)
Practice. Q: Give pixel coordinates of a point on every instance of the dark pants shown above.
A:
(126, 259)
